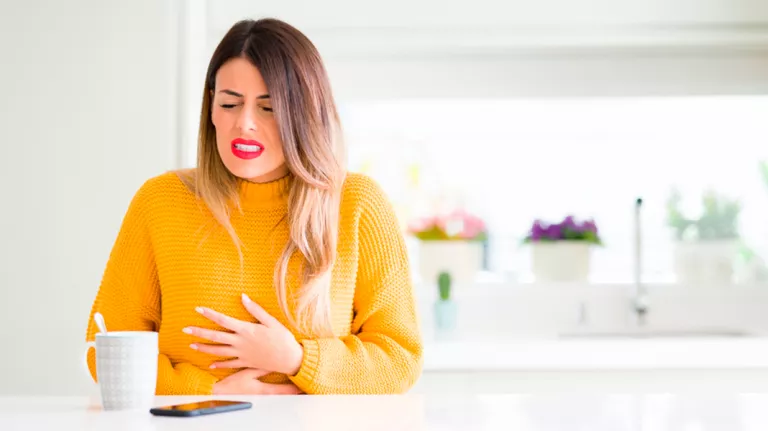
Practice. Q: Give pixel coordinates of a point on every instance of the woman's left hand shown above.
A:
(246, 382)
(267, 345)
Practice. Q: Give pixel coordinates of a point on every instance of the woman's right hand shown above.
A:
(246, 382)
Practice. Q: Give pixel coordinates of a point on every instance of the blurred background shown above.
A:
(582, 184)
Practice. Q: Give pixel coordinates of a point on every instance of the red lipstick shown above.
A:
(246, 149)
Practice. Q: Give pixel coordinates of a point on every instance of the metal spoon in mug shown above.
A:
(99, 319)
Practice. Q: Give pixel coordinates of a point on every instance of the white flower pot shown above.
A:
(705, 262)
(561, 261)
(461, 259)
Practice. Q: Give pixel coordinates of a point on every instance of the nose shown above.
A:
(246, 121)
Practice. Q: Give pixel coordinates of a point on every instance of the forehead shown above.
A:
(240, 75)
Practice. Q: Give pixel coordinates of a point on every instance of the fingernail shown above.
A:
(199, 309)
(246, 298)
(193, 346)
(186, 331)
(213, 366)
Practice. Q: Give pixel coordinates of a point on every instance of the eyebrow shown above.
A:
(236, 94)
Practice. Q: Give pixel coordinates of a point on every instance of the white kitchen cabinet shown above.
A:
(402, 25)
(445, 382)
(495, 312)
(492, 13)
(506, 49)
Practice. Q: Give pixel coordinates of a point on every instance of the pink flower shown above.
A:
(422, 224)
(458, 224)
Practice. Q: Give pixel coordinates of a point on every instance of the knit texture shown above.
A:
(171, 256)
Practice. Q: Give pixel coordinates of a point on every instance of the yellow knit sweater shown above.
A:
(170, 257)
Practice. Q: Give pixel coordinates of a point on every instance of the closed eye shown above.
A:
(227, 106)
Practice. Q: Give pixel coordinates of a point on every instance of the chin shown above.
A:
(248, 171)
(248, 174)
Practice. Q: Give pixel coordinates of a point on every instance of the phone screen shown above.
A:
(200, 405)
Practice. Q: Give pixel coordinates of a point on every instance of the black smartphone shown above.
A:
(200, 408)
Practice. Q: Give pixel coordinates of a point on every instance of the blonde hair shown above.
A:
(310, 129)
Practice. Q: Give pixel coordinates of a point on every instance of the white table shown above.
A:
(518, 412)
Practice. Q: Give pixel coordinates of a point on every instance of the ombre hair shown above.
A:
(309, 126)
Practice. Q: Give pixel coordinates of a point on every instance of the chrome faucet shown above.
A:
(640, 296)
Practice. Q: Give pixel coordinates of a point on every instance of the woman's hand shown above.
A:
(267, 345)
(246, 382)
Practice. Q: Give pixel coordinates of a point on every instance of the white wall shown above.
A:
(87, 114)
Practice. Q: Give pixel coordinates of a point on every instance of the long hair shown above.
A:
(310, 129)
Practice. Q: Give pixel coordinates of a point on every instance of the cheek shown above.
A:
(219, 119)
(272, 133)
(222, 123)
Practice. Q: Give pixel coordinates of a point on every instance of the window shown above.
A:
(512, 161)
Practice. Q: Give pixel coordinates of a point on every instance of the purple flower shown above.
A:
(538, 231)
(590, 226)
(570, 228)
(554, 231)
(569, 223)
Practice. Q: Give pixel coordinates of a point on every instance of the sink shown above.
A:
(657, 333)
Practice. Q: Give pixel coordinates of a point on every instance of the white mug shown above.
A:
(126, 368)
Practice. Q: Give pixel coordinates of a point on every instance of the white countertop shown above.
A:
(519, 412)
(597, 354)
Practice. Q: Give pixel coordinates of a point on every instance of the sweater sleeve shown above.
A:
(383, 355)
(129, 300)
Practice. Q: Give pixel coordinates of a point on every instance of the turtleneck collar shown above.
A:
(265, 193)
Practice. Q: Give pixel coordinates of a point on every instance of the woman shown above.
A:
(267, 269)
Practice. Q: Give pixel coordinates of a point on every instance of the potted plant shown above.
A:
(445, 307)
(451, 243)
(561, 251)
(706, 244)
